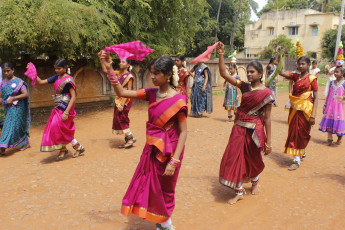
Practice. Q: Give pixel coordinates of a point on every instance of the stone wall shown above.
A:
(93, 86)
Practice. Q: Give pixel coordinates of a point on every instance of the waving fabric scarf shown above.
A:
(205, 56)
(31, 73)
(132, 50)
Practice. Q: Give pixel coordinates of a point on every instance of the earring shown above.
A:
(168, 80)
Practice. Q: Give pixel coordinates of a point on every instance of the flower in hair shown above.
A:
(175, 76)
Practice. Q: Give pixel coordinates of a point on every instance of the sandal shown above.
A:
(24, 147)
(303, 156)
(339, 140)
(160, 227)
(79, 150)
(329, 141)
(129, 141)
(62, 154)
(293, 166)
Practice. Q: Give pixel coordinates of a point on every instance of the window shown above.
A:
(315, 30)
(293, 30)
(271, 31)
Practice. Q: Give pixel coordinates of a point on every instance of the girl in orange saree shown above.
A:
(151, 193)
(304, 100)
(242, 160)
(183, 74)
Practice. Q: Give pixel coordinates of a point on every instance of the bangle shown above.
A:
(65, 113)
(267, 146)
(221, 53)
(173, 162)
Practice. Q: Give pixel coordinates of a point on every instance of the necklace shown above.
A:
(162, 95)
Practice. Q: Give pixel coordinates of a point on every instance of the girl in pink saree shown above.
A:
(60, 128)
(151, 193)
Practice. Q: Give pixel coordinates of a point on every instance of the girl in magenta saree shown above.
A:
(242, 160)
(151, 193)
(60, 128)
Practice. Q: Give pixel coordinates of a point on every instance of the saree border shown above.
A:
(170, 112)
(118, 132)
(62, 84)
(51, 148)
(143, 213)
(267, 100)
(294, 152)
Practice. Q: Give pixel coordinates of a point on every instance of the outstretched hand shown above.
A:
(106, 61)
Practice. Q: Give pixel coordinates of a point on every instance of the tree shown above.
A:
(276, 46)
(328, 42)
(80, 28)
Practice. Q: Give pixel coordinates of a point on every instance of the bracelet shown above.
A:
(221, 53)
(173, 162)
(312, 117)
(113, 77)
(269, 147)
(65, 113)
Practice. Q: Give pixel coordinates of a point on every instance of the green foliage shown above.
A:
(56, 27)
(281, 44)
(328, 42)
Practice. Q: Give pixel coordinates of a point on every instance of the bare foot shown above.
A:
(255, 189)
(235, 199)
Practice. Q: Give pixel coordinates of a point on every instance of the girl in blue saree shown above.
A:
(15, 98)
(201, 97)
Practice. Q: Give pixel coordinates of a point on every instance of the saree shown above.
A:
(181, 88)
(302, 104)
(151, 195)
(15, 131)
(121, 119)
(242, 158)
(58, 133)
(201, 101)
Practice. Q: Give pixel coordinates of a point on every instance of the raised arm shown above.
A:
(222, 70)
(106, 63)
(285, 74)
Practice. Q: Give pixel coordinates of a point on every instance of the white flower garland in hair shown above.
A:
(130, 68)
(175, 76)
(69, 71)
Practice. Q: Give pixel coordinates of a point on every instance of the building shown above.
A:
(309, 25)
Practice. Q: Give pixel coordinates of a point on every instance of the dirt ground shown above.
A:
(85, 193)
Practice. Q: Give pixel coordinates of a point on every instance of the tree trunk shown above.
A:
(232, 37)
(219, 7)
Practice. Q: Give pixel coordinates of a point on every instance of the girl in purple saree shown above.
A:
(151, 193)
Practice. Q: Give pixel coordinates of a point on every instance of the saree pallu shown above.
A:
(201, 101)
(301, 109)
(15, 131)
(182, 82)
(58, 133)
(242, 158)
(151, 195)
(120, 118)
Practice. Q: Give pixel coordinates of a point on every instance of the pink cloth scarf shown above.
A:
(205, 56)
(31, 73)
(132, 50)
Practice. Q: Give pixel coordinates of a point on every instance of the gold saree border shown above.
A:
(261, 104)
(143, 213)
(294, 152)
(118, 132)
(51, 148)
(62, 85)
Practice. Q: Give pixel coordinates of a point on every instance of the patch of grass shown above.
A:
(215, 93)
(2, 113)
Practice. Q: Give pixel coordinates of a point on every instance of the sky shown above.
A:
(261, 3)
